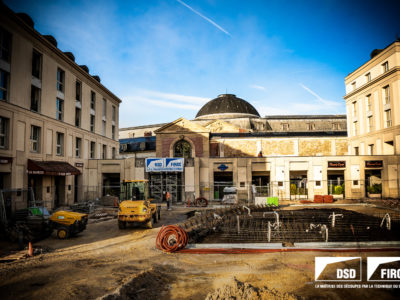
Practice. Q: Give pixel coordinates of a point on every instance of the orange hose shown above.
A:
(171, 238)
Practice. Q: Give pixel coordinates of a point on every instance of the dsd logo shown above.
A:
(383, 269)
(338, 269)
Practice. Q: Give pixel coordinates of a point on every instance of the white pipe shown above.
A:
(249, 211)
(276, 217)
(269, 231)
(333, 216)
(388, 221)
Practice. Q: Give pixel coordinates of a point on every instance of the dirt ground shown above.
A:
(106, 262)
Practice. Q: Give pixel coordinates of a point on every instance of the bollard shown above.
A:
(238, 224)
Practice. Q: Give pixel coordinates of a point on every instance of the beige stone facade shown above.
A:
(373, 104)
(51, 110)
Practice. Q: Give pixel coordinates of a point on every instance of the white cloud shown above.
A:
(257, 87)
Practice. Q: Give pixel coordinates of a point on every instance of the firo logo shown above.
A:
(383, 269)
(338, 268)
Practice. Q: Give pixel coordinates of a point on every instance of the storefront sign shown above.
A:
(374, 164)
(336, 164)
(79, 165)
(223, 167)
(164, 164)
(5, 160)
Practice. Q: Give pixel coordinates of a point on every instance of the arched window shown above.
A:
(182, 149)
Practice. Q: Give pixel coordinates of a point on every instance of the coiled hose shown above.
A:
(171, 238)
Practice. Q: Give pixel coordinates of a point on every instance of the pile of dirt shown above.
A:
(150, 284)
(238, 290)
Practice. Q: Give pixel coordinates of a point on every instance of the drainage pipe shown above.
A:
(333, 216)
(276, 216)
(388, 221)
(249, 211)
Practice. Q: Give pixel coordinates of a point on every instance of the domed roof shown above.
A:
(227, 106)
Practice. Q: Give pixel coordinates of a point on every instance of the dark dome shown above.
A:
(229, 105)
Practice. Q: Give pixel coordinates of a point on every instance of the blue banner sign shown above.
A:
(164, 164)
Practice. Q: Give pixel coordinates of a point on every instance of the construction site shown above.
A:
(203, 251)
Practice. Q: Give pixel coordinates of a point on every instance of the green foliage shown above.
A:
(293, 189)
(375, 189)
(338, 190)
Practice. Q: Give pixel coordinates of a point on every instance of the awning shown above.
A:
(52, 168)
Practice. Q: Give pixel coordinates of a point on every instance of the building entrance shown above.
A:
(261, 181)
(166, 181)
(336, 183)
(373, 182)
(298, 185)
(222, 180)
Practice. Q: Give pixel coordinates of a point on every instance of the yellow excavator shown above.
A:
(135, 206)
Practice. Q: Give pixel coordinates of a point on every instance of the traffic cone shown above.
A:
(30, 249)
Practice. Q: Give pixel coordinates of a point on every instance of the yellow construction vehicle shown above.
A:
(68, 223)
(135, 206)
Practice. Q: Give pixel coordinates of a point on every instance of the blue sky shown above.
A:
(165, 59)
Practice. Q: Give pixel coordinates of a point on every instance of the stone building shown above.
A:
(373, 110)
(58, 123)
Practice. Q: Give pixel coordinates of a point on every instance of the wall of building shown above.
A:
(19, 116)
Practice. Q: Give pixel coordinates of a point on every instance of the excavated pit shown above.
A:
(268, 225)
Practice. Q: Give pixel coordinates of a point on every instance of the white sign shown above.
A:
(168, 164)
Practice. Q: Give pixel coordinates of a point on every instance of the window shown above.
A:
(370, 124)
(103, 129)
(113, 132)
(3, 133)
(60, 144)
(388, 118)
(77, 117)
(356, 151)
(311, 126)
(104, 107)
(182, 149)
(355, 129)
(78, 91)
(93, 100)
(36, 64)
(386, 95)
(371, 149)
(113, 152)
(4, 79)
(78, 143)
(354, 108)
(59, 109)
(5, 45)
(92, 149)
(285, 126)
(35, 139)
(368, 77)
(35, 98)
(104, 151)
(385, 67)
(353, 86)
(113, 113)
(369, 103)
(92, 121)
(60, 80)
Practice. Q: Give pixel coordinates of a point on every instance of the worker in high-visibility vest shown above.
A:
(169, 200)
